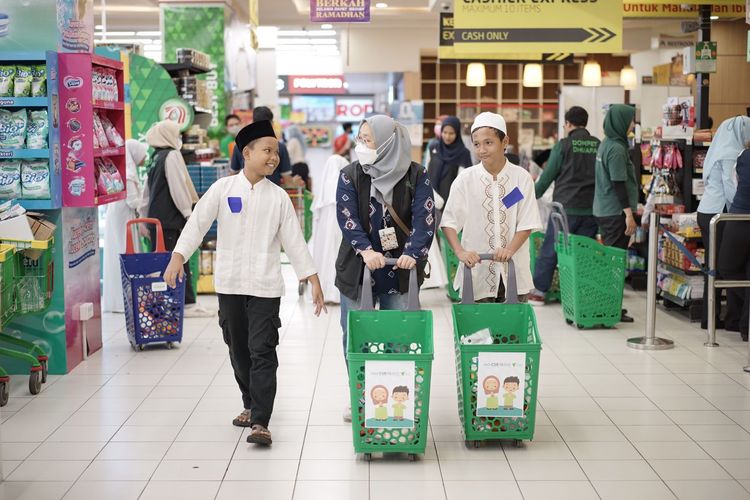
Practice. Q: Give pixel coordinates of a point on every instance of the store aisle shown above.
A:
(613, 423)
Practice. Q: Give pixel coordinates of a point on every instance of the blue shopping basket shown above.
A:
(153, 310)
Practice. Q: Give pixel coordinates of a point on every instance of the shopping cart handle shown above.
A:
(560, 224)
(129, 248)
(557, 207)
(511, 287)
(412, 304)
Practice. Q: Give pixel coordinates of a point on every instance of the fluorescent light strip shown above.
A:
(126, 41)
(148, 33)
(305, 41)
(117, 33)
(325, 33)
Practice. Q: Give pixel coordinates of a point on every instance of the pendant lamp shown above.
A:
(592, 74)
(628, 78)
(475, 75)
(532, 75)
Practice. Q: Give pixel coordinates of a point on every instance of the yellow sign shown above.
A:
(253, 11)
(676, 10)
(504, 26)
(694, 2)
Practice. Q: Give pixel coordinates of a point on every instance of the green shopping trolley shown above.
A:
(389, 354)
(497, 349)
(592, 278)
(451, 265)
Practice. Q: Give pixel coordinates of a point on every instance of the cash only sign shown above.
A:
(493, 26)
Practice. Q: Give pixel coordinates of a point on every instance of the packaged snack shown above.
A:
(114, 175)
(101, 135)
(10, 179)
(7, 75)
(104, 84)
(36, 130)
(39, 80)
(114, 137)
(104, 183)
(12, 128)
(646, 154)
(22, 82)
(96, 140)
(35, 180)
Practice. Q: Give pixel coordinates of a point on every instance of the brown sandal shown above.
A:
(242, 420)
(259, 435)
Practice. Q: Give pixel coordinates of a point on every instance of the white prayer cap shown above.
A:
(488, 119)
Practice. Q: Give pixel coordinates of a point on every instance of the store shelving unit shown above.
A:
(50, 102)
(78, 106)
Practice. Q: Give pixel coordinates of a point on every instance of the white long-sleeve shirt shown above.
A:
(178, 189)
(249, 241)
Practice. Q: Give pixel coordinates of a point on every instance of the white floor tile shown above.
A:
(283, 450)
(738, 469)
(559, 490)
(462, 490)
(682, 450)
(628, 490)
(416, 490)
(134, 451)
(332, 490)
(618, 470)
(276, 490)
(685, 470)
(700, 490)
(604, 451)
(111, 490)
(333, 470)
(66, 451)
(120, 470)
(424, 470)
(179, 490)
(200, 451)
(191, 470)
(49, 470)
(548, 470)
(17, 451)
(36, 490)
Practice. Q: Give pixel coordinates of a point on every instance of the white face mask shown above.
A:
(233, 131)
(366, 156)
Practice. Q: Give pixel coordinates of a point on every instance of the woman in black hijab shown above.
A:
(446, 159)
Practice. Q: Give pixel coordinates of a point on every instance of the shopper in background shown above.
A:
(283, 173)
(720, 186)
(434, 141)
(734, 253)
(571, 166)
(255, 218)
(344, 141)
(296, 144)
(118, 215)
(385, 209)
(326, 238)
(232, 125)
(447, 159)
(170, 196)
(616, 191)
(493, 204)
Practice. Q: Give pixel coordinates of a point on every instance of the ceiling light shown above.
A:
(117, 33)
(307, 41)
(592, 74)
(714, 18)
(532, 75)
(148, 33)
(629, 78)
(99, 27)
(326, 26)
(327, 33)
(381, 5)
(475, 75)
(126, 41)
(126, 8)
(267, 36)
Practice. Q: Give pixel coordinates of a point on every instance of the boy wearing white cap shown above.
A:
(494, 204)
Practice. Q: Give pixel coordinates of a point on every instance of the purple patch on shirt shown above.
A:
(235, 204)
(512, 198)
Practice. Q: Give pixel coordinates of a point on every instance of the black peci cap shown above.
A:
(254, 131)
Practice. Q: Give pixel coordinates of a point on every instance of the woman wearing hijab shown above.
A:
(170, 196)
(385, 209)
(118, 214)
(720, 187)
(446, 159)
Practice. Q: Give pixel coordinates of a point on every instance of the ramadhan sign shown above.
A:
(340, 11)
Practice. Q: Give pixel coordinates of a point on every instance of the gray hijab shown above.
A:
(394, 156)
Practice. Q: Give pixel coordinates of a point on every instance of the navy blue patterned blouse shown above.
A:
(385, 281)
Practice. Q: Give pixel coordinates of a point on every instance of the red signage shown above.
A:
(318, 84)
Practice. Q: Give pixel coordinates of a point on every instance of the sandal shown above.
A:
(259, 435)
(243, 419)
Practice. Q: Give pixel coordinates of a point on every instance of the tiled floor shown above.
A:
(613, 423)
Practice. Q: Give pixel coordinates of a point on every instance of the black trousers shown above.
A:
(170, 242)
(613, 231)
(735, 297)
(734, 264)
(250, 326)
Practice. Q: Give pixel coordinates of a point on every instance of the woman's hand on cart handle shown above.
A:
(405, 262)
(175, 270)
(469, 258)
(317, 295)
(373, 260)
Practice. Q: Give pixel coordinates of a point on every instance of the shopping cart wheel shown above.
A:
(170, 345)
(132, 346)
(580, 327)
(301, 288)
(141, 347)
(518, 443)
(35, 382)
(4, 392)
(44, 370)
(473, 444)
(412, 457)
(569, 321)
(368, 457)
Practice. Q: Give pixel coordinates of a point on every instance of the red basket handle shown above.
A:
(129, 249)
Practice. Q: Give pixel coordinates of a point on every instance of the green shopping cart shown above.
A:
(497, 348)
(389, 354)
(592, 278)
(451, 265)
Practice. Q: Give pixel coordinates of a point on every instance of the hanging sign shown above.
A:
(502, 27)
(340, 11)
(694, 2)
(705, 57)
(748, 46)
(679, 11)
(320, 84)
(178, 110)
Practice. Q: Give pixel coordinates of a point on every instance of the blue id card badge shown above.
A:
(512, 198)
(235, 204)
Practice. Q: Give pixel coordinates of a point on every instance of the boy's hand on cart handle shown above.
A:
(373, 260)
(469, 258)
(405, 262)
(317, 295)
(503, 255)
(175, 270)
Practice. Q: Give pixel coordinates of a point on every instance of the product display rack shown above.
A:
(77, 108)
(49, 102)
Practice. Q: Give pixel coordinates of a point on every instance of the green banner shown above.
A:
(199, 28)
(150, 87)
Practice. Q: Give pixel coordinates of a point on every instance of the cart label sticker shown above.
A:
(389, 394)
(73, 105)
(502, 384)
(235, 204)
(512, 198)
(159, 286)
(73, 82)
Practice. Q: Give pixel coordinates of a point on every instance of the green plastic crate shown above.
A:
(390, 336)
(514, 329)
(308, 215)
(34, 275)
(451, 265)
(553, 294)
(8, 264)
(592, 278)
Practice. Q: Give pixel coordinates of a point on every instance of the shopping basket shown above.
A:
(302, 201)
(451, 265)
(389, 354)
(497, 358)
(592, 278)
(153, 310)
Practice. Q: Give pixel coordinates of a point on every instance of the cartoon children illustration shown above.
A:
(491, 387)
(379, 395)
(510, 385)
(400, 394)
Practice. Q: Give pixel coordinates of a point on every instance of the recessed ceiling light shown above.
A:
(99, 27)
(381, 5)
(326, 26)
(714, 18)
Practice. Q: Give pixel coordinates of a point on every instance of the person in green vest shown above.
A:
(232, 125)
(616, 191)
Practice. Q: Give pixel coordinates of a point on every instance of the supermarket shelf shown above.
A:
(23, 102)
(119, 105)
(676, 300)
(98, 153)
(177, 68)
(24, 153)
(10, 55)
(106, 62)
(110, 198)
(681, 272)
(40, 204)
